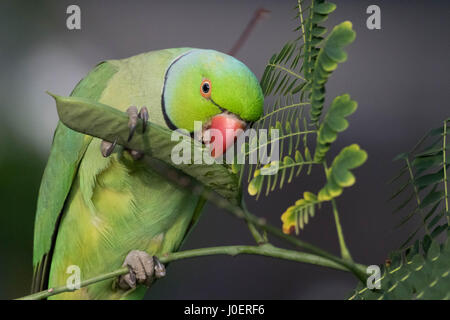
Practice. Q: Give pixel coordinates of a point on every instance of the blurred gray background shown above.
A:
(399, 75)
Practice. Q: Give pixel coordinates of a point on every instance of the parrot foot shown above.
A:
(144, 269)
(107, 147)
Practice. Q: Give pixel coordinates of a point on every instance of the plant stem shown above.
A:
(267, 250)
(238, 212)
(287, 70)
(253, 230)
(300, 11)
(356, 269)
(280, 109)
(257, 16)
(279, 138)
(345, 253)
(445, 171)
(416, 192)
(53, 291)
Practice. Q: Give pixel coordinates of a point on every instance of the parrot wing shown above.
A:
(67, 150)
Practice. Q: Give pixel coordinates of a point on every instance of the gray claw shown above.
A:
(143, 114)
(143, 270)
(128, 281)
(107, 147)
(160, 269)
(133, 115)
(132, 122)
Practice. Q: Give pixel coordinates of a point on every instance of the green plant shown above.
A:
(420, 269)
(294, 87)
(414, 275)
(423, 178)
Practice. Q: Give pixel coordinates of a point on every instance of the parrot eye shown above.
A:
(205, 88)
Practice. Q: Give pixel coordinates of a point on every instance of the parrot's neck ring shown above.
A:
(220, 108)
(169, 122)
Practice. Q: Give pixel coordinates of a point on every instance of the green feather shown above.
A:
(67, 150)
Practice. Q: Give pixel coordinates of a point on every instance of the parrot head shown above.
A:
(214, 88)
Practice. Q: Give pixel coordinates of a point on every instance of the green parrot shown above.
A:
(99, 206)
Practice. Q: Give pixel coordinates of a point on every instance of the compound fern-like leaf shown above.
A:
(425, 175)
(339, 175)
(418, 274)
(328, 58)
(297, 216)
(333, 123)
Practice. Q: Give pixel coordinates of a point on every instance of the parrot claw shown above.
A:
(132, 122)
(134, 115)
(144, 269)
(143, 114)
(107, 147)
(160, 269)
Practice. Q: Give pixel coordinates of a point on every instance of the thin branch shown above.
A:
(267, 250)
(416, 192)
(445, 171)
(300, 12)
(286, 70)
(280, 138)
(297, 164)
(345, 253)
(253, 230)
(281, 109)
(53, 291)
(311, 13)
(262, 223)
(258, 15)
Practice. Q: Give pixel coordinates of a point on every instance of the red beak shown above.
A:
(228, 126)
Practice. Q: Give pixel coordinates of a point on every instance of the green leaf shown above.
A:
(426, 243)
(104, 122)
(430, 179)
(438, 230)
(255, 185)
(333, 123)
(329, 56)
(297, 216)
(419, 276)
(339, 174)
(427, 162)
(325, 8)
(425, 168)
(401, 156)
(432, 198)
(258, 181)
